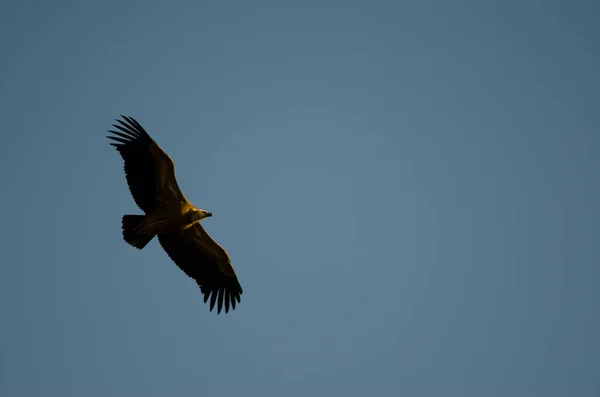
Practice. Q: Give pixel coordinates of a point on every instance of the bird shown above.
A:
(150, 176)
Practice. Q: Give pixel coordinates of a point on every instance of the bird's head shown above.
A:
(200, 214)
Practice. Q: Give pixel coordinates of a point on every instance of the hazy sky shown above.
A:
(408, 192)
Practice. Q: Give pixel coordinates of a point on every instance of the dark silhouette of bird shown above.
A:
(150, 174)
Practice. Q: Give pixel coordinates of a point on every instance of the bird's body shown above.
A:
(150, 174)
(172, 215)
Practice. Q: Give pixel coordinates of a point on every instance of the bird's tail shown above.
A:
(131, 232)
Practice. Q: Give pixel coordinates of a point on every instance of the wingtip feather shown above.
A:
(213, 299)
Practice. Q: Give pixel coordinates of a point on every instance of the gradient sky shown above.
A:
(408, 191)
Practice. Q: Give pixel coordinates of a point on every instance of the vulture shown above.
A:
(150, 175)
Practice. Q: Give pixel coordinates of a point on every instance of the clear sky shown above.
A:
(408, 191)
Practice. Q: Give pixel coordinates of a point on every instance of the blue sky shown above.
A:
(408, 191)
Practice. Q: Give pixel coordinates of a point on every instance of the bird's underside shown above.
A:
(150, 175)
(172, 215)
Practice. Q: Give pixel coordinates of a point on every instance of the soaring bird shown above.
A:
(150, 174)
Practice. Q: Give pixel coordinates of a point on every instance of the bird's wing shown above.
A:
(150, 172)
(202, 259)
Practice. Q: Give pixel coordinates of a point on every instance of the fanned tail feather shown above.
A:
(130, 235)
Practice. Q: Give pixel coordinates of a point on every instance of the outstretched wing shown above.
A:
(150, 172)
(202, 259)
